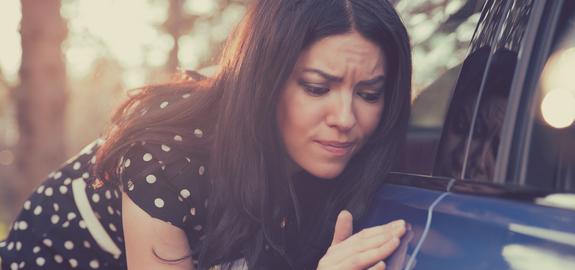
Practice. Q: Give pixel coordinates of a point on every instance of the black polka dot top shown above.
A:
(74, 221)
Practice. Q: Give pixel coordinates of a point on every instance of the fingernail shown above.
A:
(399, 223)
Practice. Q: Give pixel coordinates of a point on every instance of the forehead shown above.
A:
(338, 52)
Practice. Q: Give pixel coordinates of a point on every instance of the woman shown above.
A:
(249, 168)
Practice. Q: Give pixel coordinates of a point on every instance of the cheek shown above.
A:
(298, 114)
(369, 117)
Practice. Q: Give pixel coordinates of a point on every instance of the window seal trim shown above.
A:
(471, 187)
(526, 53)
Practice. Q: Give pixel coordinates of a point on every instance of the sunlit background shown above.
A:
(112, 46)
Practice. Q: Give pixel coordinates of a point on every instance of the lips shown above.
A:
(336, 148)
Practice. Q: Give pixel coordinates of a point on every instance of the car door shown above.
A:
(411, 192)
(512, 204)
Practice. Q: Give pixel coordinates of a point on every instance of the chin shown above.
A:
(325, 172)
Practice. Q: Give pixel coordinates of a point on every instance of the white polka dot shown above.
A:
(187, 95)
(76, 165)
(178, 138)
(54, 219)
(113, 227)
(85, 175)
(82, 224)
(14, 266)
(18, 245)
(185, 193)
(21, 265)
(2, 244)
(40, 261)
(49, 192)
(36, 249)
(110, 210)
(66, 224)
(159, 202)
(116, 194)
(151, 179)
(108, 194)
(93, 160)
(67, 181)
(164, 104)
(23, 225)
(57, 175)
(27, 205)
(127, 163)
(47, 242)
(147, 157)
(94, 264)
(193, 211)
(96, 197)
(56, 207)
(87, 244)
(198, 227)
(38, 210)
(198, 133)
(69, 245)
(130, 185)
(73, 263)
(16, 226)
(71, 215)
(63, 189)
(40, 189)
(58, 258)
(166, 148)
(201, 170)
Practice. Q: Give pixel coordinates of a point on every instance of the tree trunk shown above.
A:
(41, 97)
(174, 27)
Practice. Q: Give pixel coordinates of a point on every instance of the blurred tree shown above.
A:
(41, 97)
(177, 24)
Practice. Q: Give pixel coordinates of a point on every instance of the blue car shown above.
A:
(491, 185)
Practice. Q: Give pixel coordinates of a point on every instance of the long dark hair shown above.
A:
(251, 187)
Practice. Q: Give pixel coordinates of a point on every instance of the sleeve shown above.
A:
(164, 183)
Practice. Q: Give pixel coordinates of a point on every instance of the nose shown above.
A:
(342, 114)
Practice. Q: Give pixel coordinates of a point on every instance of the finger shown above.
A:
(369, 238)
(396, 228)
(372, 256)
(378, 266)
(343, 227)
(357, 245)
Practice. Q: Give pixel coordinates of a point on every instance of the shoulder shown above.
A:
(167, 182)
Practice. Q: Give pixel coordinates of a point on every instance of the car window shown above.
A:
(440, 58)
(482, 148)
(550, 163)
(450, 156)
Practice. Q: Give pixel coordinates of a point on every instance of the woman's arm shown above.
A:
(152, 243)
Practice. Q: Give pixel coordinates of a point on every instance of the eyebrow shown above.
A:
(333, 78)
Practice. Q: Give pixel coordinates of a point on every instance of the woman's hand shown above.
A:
(363, 250)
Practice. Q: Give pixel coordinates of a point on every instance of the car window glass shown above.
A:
(440, 58)
(452, 145)
(551, 155)
(482, 148)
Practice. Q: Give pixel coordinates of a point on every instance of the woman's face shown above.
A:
(332, 103)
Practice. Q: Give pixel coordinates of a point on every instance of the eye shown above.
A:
(371, 97)
(313, 90)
